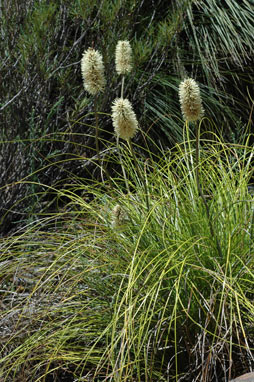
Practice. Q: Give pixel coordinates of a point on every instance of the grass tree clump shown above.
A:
(91, 295)
(151, 285)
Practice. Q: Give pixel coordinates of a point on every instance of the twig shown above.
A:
(11, 100)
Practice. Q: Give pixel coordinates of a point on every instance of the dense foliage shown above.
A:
(44, 107)
(126, 260)
(124, 290)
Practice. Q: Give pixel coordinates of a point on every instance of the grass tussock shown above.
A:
(116, 289)
(136, 262)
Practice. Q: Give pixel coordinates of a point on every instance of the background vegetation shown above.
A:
(44, 107)
(147, 297)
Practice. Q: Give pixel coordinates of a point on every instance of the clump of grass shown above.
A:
(152, 285)
(149, 300)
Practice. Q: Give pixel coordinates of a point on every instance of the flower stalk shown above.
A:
(123, 117)
(92, 70)
(125, 125)
(123, 60)
(192, 110)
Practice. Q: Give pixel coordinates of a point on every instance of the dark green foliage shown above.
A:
(42, 95)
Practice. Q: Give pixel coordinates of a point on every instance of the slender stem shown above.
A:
(188, 150)
(121, 163)
(139, 173)
(122, 87)
(96, 128)
(197, 162)
(97, 141)
(200, 192)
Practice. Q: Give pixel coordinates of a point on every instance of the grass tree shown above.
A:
(156, 283)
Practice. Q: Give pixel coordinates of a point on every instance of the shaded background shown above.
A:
(46, 116)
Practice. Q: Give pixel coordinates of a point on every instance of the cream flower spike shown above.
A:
(92, 70)
(190, 100)
(118, 216)
(124, 119)
(123, 58)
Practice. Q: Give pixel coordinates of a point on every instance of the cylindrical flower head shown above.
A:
(123, 57)
(190, 100)
(92, 70)
(118, 216)
(124, 119)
